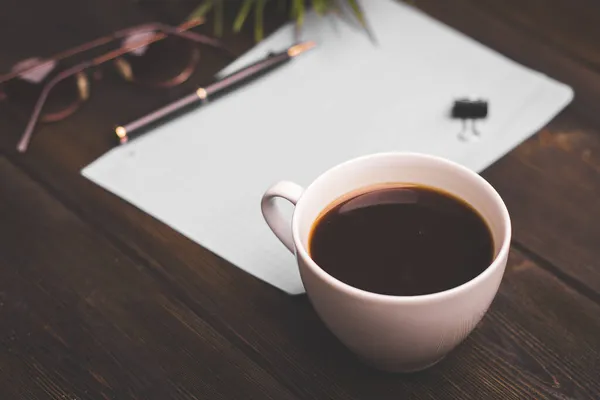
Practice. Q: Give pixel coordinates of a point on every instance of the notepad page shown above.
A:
(204, 173)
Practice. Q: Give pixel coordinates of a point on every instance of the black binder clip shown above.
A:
(469, 111)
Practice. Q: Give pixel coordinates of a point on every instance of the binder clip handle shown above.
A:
(469, 110)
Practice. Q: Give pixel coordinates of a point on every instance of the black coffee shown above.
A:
(402, 240)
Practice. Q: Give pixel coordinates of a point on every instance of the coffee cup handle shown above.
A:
(289, 191)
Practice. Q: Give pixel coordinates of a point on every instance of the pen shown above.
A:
(130, 131)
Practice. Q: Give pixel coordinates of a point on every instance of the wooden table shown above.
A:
(100, 301)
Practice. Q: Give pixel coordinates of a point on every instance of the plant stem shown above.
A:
(258, 20)
(242, 15)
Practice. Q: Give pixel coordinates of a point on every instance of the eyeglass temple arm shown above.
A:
(182, 31)
(26, 137)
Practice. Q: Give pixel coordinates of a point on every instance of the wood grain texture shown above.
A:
(81, 321)
(551, 185)
(27, 25)
(570, 27)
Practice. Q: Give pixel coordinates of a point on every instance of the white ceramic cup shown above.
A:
(392, 333)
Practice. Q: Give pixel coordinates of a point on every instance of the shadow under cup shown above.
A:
(400, 333)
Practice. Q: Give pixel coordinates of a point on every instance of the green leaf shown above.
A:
(320, 6)
(201, 10)
(258, 20)
(242, 15)
(298, 11)
(357, 12)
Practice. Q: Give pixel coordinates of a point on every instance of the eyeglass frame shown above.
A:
(163, 30)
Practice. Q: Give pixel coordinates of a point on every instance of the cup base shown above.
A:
(401, 368)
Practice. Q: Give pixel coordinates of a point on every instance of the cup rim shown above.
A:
(430, 297)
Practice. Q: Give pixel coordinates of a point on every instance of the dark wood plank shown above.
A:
(466, 16)
(551, 185)
(570, 26)
(81, 320)
(27, 25)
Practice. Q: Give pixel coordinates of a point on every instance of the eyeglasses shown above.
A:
(153, 55)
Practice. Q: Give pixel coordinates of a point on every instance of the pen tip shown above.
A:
(300, 48)
(121, 134)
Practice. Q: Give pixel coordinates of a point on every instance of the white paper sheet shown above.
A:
(204, 173)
